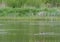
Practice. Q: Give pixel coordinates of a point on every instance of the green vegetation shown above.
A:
(32, 3)
(21, 12)
(18, 11)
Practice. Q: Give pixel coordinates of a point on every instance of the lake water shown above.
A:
(29, 31)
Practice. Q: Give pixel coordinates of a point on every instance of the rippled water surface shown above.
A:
(29, 31)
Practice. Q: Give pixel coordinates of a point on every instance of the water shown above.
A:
(29, 31)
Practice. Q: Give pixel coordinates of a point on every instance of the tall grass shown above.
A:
(18, 12)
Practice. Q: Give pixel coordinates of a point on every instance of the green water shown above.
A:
(29, 31)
